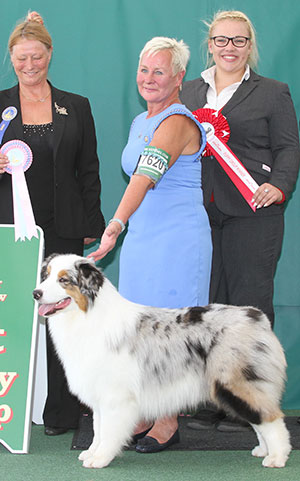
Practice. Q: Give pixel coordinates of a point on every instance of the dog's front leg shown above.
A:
(96, 439)
(117, 424)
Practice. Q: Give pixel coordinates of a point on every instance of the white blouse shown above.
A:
(215, 101)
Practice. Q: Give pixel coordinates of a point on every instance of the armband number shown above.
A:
(153, 162)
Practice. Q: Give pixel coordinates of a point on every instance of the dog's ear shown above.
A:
(44, 270)
(90, 278)
(87, 268)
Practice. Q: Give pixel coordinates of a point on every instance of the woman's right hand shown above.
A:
(3, 163)
(108, 241)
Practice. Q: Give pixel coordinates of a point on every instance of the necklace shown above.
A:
(36, 100)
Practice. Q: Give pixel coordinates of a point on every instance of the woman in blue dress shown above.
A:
(166, 255)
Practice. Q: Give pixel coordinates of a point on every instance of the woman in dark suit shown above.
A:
(63, 180)
(264, 137)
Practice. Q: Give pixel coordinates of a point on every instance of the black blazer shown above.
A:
(264, 137)
(77, 186)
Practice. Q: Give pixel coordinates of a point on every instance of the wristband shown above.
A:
(119, 221)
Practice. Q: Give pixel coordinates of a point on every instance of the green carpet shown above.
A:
(50, 459)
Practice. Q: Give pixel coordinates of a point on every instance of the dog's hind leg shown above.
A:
(96, 439)
(261, 450)
(118, 420)
(277, 440)
(274, 444)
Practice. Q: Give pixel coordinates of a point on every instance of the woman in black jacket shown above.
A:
(63, 180)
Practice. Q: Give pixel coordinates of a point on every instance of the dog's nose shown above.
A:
(37, 294)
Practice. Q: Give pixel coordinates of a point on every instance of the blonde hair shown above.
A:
(240, 17)
(32, 28)
(180, 53)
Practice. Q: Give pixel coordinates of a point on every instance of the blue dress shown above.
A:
(165, 259)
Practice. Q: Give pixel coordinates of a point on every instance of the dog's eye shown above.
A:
(64, 280)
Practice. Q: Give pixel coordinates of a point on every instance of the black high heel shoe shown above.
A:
(151, 445)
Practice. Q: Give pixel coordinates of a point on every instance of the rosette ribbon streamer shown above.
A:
(7, 116)
(20, 159)
(217, 134)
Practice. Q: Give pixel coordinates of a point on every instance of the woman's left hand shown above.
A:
(265, 195)
(108, 241)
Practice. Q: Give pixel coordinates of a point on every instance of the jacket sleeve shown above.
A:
(284, 141)
(88, 172)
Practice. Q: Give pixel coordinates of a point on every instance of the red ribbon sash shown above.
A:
(217, 133)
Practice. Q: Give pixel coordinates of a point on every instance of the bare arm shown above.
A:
(176, 135)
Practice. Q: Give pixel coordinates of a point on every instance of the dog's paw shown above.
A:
(84, 455)
(259, 451)
(96, 462)
(275, 461)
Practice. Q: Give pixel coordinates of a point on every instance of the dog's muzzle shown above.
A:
(46, 310)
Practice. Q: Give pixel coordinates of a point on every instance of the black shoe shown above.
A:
(229, 424)
(50, 431)
(298, 420)
(151, 445)
(205, 419)
(141, 435)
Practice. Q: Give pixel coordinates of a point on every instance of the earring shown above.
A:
(180, 87)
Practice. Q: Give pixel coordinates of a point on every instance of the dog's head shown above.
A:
(68, 281)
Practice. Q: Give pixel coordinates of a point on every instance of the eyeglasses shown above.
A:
(222, 41)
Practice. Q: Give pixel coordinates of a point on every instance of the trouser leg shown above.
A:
(246, 252)
(61, 407)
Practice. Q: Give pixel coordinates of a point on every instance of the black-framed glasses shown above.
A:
(222, 41)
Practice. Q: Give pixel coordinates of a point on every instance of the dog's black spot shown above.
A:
(195, 314)
(155, 326)
(44, 270)
(188, 348)
(167, 353)
(199, 350)
(167, 331)
(145, 318)
(250, 374)
(157, 371)
(179, 318)
(261, 347)
(214, 342)
(195, 348)
(188, 362)
(241, 408)
(254, 314)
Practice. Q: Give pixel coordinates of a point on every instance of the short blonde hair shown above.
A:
(180, 53)
(240, 17)
(32, 28)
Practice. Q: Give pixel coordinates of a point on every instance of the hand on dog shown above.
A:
(108, 241)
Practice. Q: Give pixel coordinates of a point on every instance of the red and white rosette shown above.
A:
(217, 135)
(20, 158)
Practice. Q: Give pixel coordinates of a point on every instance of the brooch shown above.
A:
(60, 110)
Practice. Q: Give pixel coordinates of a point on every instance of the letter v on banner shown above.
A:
(18, 336)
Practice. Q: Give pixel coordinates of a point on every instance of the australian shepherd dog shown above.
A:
(130, 362)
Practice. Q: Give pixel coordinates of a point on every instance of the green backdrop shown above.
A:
(96, 47)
